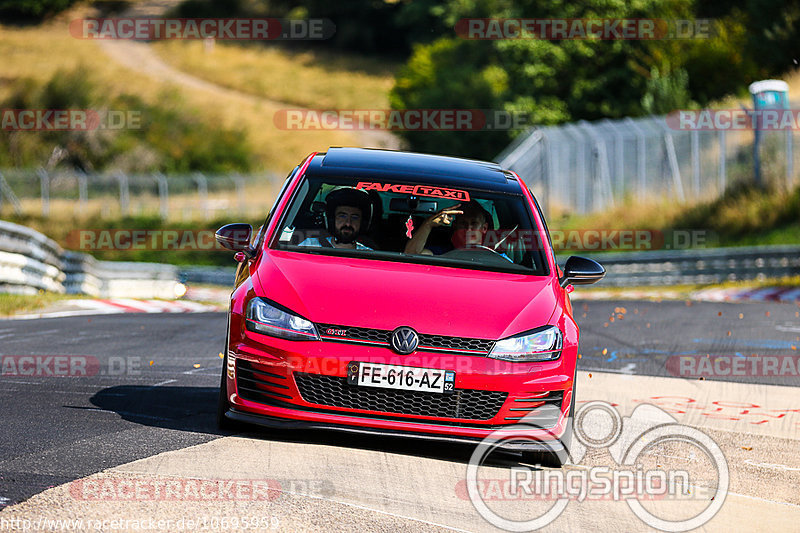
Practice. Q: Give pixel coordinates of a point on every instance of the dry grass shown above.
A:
(11, 304)
(653, 214)
(305, 79)
(254, 202)
(38, 52)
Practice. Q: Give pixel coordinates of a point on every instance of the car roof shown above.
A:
(413, 167)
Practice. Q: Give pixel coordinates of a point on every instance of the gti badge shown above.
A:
(404, 340)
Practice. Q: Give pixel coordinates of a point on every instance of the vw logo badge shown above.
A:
(404, 340)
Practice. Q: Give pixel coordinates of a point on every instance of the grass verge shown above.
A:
(11, 304)
(745, 215)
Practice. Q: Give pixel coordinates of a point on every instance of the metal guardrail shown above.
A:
(209, 275)
(690, 267)
(30, 262)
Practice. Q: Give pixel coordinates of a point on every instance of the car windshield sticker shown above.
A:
(418, 190)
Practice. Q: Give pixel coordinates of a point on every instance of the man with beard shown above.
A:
(347, 211)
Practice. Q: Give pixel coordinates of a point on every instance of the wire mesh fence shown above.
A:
(591, 166)
(579, 167)
(198, 195)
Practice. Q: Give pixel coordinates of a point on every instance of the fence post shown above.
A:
(619, 154)
(696, 163)
(83, 195)
(124, 193)
(163, 195)
(789, 160)
(723, 159)
(602, 167)
(5, 190)
(44, 182)
(547, 174)
(580, 167)
(641, 154)
(202, 192)
(674, 169)
(239, 183)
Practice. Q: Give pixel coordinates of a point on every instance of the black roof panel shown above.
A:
(435, 168)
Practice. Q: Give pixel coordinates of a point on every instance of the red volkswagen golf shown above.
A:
(404, 294)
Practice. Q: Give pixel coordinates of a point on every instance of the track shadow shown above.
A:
(181, 408)
(193, 409)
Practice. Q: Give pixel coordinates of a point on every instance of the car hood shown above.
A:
(385, 295)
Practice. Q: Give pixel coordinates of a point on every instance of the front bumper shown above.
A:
(542, 446)
(267, 385)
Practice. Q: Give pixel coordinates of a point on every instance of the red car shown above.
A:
(402, 294)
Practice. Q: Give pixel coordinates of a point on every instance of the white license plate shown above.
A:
(401, 377)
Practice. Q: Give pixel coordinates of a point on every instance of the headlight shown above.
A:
(543, 344)
(265, 317)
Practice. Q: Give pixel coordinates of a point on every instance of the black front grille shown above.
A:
(361, 334)
(463, 403)
(456, 343)
(255, 384)
(435, 342)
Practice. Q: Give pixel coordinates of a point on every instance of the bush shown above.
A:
(32, 10)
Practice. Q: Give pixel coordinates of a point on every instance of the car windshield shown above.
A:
(414, 222)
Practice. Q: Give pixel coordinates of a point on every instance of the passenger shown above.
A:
(470, 223)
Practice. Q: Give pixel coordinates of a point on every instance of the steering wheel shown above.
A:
(476, 253)
(482, 247)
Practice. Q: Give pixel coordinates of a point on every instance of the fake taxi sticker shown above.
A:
(418, 190)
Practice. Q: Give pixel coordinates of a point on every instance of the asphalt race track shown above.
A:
(135, 420)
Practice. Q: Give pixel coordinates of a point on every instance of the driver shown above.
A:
(347, 211)
(470, 223)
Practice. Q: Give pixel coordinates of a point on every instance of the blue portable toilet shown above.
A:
(770, 94)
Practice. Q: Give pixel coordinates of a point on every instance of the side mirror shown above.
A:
(235, 237)
(581, 271)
